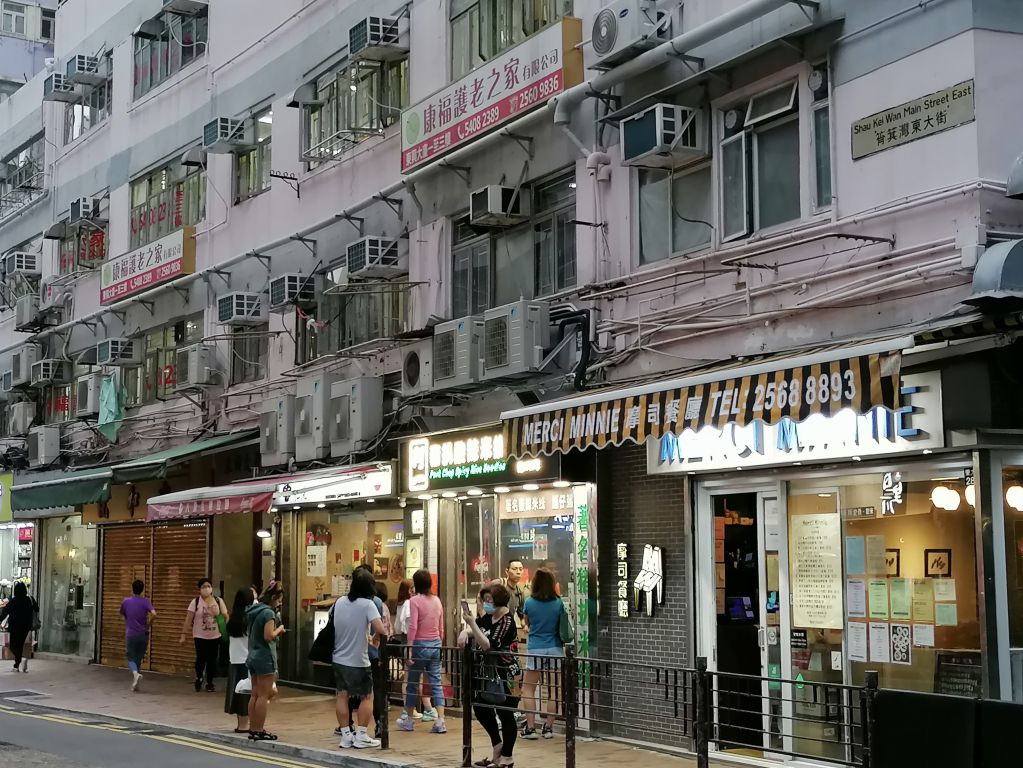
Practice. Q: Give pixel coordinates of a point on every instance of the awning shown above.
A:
(825, 381)
(86, 486)
(155, 466)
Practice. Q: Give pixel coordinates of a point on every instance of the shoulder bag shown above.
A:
(37, 622)
(565, 629)
(322, 650)
(222, 621)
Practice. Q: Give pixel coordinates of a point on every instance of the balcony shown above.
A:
(25, 184)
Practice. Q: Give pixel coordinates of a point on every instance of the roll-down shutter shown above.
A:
(127, 551)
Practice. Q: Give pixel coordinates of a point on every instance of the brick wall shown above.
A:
(643, 688)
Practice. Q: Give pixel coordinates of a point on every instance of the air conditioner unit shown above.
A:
(22, 362)
(57, 88)
(664, 136)
(19, 418)
(497, 206)
(6, 381)
(224, 135)
(377, 38)
(26, 313)
(290, 289)
(50, 371)
(43, 445)
(515, 338)
(185, 7)
(84, 208)
(356, 414)
(417, 368)
(87, 392)
(84, 70)
(120, 352)
(374, 257)
(312, 406)
(52, 297)
(456, 352)
(277, 431)
(626, 28)
(22, 263)
(27, 176)
(192, 367)
(241, 309)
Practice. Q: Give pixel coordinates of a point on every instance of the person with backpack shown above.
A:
(22, 616)
(206, 619)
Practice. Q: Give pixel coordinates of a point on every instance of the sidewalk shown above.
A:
(303, 719)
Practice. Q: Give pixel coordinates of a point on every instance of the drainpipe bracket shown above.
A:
(526, 142)
(391, 202)
(463, 172)
(356, 221)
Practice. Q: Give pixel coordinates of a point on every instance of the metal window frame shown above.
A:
(743, 137)
(750, 121)
(689, 170)
(754, 172)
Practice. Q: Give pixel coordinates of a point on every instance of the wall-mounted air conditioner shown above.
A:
(377, 38)
(20, 417)
(497, 206)
(192, 368)
(456, 352)
(290, 289)
(312, 406)
(224, 135)
(87, 392)
(515, 337)
(22, 263)
(417, 368)
(43, 445)
(26, 313)
(85, 70)
(50, 371)
(241, 309)
(374, 257)
(85, 208)
(57, 88)
(356, 414)
(52, 297)
(664, 136)
(21, 364)
(186, 7)
(626, 28)
(6, 381)
(277, 431)
(121, 352)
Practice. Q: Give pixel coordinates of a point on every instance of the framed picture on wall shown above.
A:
(893, 562)
(937, 563)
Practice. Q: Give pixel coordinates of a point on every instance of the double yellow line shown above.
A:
(182, 741)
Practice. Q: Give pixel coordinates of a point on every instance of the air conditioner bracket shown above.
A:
(149, 305)
(463, 172)
(392, 202)
(262, 258)
(569, 338)
(356, 221)
(310, 245)
(183, 291)
(526, 142)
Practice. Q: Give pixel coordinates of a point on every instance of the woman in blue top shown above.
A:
(542, 613)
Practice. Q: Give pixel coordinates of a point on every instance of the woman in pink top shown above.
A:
(201, 620)
(425, 634)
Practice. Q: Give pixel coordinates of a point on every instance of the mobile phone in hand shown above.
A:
(465, 608)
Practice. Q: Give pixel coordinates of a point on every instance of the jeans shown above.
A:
(136, 650)
(207, 652)
(425, 658)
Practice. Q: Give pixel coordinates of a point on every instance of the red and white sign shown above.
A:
(203, 507)
(513, 83)
(148, 266)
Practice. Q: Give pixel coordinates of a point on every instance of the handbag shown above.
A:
(322, 650)
(565, 629)
(222, 622)
(37, 622)
(494, 690)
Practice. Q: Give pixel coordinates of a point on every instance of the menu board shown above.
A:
(815, 551)
(958, 673)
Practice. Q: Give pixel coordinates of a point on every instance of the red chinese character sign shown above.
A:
(148, 266)
(518, 81)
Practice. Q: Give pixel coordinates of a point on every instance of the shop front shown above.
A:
(16, 548)
(67, 586)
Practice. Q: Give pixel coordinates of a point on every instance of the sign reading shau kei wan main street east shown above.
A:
(516, 82)
(148, 266)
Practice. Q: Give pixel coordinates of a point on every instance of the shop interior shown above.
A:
(68, 586)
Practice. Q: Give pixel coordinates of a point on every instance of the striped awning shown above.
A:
(824, 382)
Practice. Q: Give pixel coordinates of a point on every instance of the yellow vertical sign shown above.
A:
(6, 481)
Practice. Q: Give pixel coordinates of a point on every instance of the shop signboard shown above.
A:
(148, 266)
(915, 425)
(368, 482)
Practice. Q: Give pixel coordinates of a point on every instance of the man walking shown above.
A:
(138, 615)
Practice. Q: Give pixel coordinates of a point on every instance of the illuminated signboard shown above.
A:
(467, 458)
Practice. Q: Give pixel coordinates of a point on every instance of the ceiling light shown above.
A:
(273, 509)
(371, 501)
(857, 458)
(474, 492)
(449, 495)
(502, 489)
(1014, 497)
(946, 498)
(296, 507)
(424, 496)
(267, 118)
(572, 185)
(927, 451)
(321, 506)
(531, 487)
(824, 495)
(971, 495)
(561, 483)
(262, 533)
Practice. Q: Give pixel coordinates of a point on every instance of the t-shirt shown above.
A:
(204, 622)
(426, 618)
(519, 592)
(136, 610)
(351, 631)
(260, 651)
(501, 634)
(401, 621)
(544, 623)
(238, 649)
(374, 652)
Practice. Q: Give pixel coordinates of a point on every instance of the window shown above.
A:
(58, 403)
(483, 29)
(306, 335)
(554, 236)
(359, 313)
(472, 288)
(48, 25)
(249, 349)
(92, 109)
(165, 200)
(252, 166)
(354, 102)
(85, 247)
(181, 41)
(675, 209)
(13, 18)
(818, 82)
(155, 380)
(25, 182)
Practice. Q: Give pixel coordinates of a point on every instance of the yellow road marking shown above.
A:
(226, 751)
(63, 721)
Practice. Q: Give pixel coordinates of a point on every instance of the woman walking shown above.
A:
(493, 635)
(203, 619)
(20, 613)
(238, 651)
(425, 634)
(543, 611)
(263, 630)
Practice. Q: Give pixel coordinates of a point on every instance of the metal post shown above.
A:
(702, 727)
(570, 706)
(867, 710)
(384, 689)
(467, 696)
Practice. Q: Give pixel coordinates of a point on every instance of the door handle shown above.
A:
(761, 638)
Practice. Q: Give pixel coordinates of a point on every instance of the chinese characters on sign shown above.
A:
(148, 266)
(582, 574)
(913, 120)
(623, 580)
(519, 503)
(891, 493)
(516, 82)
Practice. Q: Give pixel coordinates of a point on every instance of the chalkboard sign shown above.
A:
(958, 673)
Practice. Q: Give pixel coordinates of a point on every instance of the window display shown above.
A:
(68, 587)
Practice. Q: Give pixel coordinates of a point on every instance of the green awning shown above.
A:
(86, 486)
(155, 465)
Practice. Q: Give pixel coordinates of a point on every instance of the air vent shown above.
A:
(496, 346)
(444, 354)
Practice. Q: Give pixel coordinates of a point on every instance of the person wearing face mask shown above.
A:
(203, 619)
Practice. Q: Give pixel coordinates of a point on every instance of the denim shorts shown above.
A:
(355, 681)
(543, 658)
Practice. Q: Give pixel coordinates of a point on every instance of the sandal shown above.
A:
(242, 730)
(486, 762)
(262, 736)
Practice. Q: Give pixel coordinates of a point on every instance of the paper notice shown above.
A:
(836, 661)
(880, 643)
(816, 571)
(923, 601)
(857, 640)
(944, 590)
(856, 598)
(876, 565)
(902, 647)
(855, 557)
(878, 590)
(946, 615)
(923, 635)
(900, 598)
(316, 561)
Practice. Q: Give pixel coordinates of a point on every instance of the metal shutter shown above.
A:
(179, 560)
(127, 551)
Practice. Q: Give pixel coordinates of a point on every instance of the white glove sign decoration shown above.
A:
(649, 584)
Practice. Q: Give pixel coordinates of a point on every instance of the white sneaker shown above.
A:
(136, 678)
(24, 665)
(416, 714)
(364, 741)
(347, 739)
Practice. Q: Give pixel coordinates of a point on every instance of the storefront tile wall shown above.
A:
(637, 509)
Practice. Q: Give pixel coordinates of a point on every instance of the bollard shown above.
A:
(467, 695)
(570, 708)
(382, 672)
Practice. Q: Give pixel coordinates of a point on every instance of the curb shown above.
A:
(345, 759)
